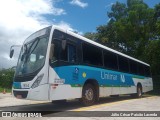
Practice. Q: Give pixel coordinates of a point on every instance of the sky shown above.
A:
(20, 18)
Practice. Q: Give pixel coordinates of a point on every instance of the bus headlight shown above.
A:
(37, 81)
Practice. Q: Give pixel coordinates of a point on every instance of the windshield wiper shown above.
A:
(28, 52)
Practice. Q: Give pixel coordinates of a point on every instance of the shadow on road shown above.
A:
(51, 108)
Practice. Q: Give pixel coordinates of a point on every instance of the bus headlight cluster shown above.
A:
(37, 81)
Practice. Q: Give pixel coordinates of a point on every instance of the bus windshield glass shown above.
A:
(33, 53)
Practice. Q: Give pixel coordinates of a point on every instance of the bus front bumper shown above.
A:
(39, 93)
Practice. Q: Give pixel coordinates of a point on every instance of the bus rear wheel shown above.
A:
(139, 91)
(88, 95)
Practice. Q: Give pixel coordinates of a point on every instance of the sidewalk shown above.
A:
(8, 100)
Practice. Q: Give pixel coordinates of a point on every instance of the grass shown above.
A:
(8, 90)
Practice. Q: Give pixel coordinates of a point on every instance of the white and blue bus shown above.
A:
(56, 64)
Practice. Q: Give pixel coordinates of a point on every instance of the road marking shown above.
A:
(108, 104)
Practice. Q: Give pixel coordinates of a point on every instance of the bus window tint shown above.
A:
(110, 60)
(123, 64)
(69, 53)
(140, 69)
(92, 55)
(133, 67)
(64, 54)
(56, 51)
(147, 71)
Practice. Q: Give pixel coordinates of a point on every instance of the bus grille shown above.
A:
(22, 93)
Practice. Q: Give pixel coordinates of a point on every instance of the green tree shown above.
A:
(152, 56)
(91, 36)
(6, 78)
(134, 29)
(129, 29)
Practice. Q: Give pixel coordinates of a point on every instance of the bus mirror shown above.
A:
(51, 52)
(11, 53)
(12, 50)
(64, 42)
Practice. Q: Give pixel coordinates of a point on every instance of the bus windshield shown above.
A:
(32, 55)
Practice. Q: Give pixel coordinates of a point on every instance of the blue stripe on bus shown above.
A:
(79, 74)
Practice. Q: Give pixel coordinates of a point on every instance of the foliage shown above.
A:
(152, 56)
(133, 29)
(130, 27)
(91, 36)
(6, 78)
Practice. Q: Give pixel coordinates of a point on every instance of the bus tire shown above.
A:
(88, 95)
(138, 94)
(139, 91)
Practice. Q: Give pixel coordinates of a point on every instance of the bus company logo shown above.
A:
(122, 78)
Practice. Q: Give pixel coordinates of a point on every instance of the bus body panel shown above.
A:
(110, 82)
(59, 89)
(66, 82)
(39, 93)
(64, 91)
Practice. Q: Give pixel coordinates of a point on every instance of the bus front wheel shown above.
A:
(88, 95)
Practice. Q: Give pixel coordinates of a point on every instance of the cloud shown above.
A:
(109, 5)
(67, 26)
(79, 3)
(108, 20)
(20, 18)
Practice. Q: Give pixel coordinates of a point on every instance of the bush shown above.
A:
(156, 82)
(6, 78)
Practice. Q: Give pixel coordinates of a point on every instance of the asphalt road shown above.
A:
(104, 107)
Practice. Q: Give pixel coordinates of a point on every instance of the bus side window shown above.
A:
(71, 53)
(133, 67)
(123, 64)
(56, 51)
(92, 55)
(110, 60)
(64, 54)
(141, 69)
(147, 71)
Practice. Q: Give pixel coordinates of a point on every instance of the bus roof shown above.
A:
(97, 44)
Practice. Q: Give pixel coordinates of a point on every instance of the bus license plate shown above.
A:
(19, 96)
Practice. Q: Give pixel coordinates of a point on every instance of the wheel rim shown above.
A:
(89, 94)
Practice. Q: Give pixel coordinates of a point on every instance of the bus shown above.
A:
(57, 64)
